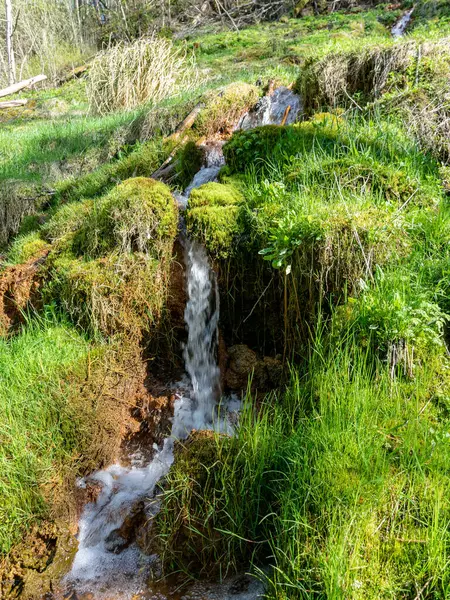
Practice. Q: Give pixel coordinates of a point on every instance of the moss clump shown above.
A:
(26, 247)
(223, 110)
(188, 160)
(215, 194)
(110, 295)
(273, 143)
(67, 219)
(137, 216)
(110, 263)
(213, 217)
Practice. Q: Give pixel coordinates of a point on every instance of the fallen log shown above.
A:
(12, 103)
(188, 122)
(74, 74)
(16, 87)
(182, 128)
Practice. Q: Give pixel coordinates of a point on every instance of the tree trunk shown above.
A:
(9, 43)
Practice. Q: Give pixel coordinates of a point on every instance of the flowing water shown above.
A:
(400, 27)
(105, 566)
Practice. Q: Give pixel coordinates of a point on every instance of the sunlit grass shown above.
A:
(40, 430)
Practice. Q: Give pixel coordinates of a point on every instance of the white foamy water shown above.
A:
(400, 27)
(104, 565)
(202, 316)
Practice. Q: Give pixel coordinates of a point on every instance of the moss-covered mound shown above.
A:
(110, 261)
(213, 217)
(188, 161)
(223, 109)
(327, 202)
(331, 80)
(405, 79)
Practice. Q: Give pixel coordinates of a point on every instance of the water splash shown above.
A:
(270, 110)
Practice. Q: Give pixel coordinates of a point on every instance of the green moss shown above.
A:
(215, 194)
(138, 215)
(188, 160)
(224, 108)
(111, 295)
(109, 266)
(26, 247)
(213, 217)
(67, 219)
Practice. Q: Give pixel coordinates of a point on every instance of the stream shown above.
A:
(105, 567)
(400, 27)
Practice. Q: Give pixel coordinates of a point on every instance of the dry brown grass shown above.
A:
(148, 70)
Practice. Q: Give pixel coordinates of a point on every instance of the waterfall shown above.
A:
(400, 27)
(105, 566)
(202, 319)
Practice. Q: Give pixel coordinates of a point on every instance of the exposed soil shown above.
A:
(19, 287)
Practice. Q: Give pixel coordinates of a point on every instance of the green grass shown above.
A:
(344, 478)
(344, 474)
(274, 49)
(40, 428)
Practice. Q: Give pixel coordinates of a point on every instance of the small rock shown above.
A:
(115, 543)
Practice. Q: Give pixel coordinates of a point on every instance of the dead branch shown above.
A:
(16, 87)
(12, 104)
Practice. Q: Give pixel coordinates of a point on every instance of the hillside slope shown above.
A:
(329, 237)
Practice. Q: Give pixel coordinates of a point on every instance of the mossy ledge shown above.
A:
(110, 260)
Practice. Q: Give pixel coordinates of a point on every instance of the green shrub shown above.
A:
(213, 217)
(397, 319)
